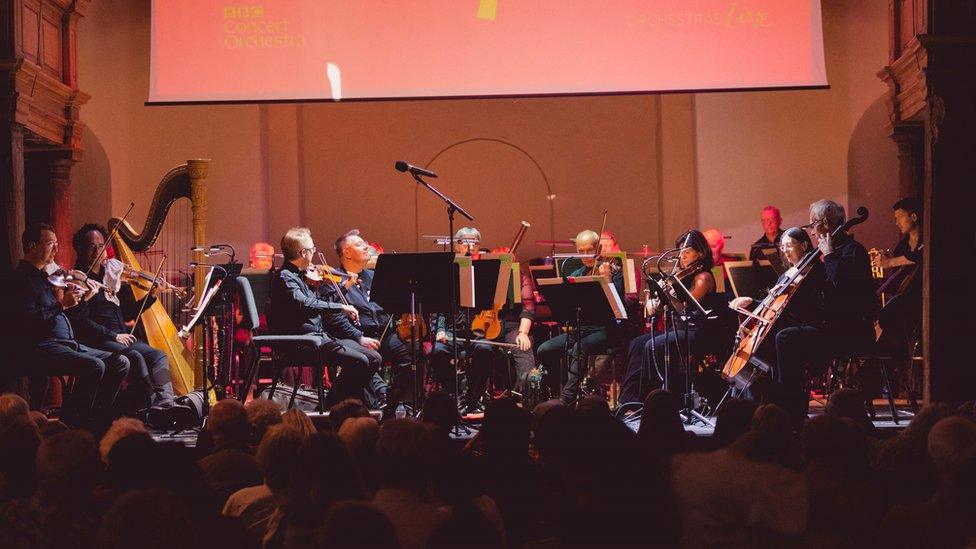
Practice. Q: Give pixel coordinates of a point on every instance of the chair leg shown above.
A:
(319, 388)
(294, 393)
(275, 375)
(883, 366)
(249, 379)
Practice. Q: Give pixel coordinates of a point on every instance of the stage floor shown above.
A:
(882, 421)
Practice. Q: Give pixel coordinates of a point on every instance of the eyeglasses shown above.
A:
(310, 250)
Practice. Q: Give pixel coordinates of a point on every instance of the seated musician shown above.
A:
(374, 330)
(595, 339)
(902, 312)
(646, 353)
(296, 309)
(716, 244)
(516, 319)
(771, 222)
(849, 309)
(466, 241)
(101, 322)
(44, 339)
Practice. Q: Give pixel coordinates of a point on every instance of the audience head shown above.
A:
(734, 420)
(952, 447)
(352, 524)
(12, 408)
(68, 466)
(506, 429)
(229, 422)
(131, 462)
(277, 455)
(120, 428)
(360, 435)
(52, 428)
(261, 414)
(837, 446)
(849, 403)
(660, 423)
(350, 407)
(299, 420)
(19, 441)
(775, 429)
(440, 411)
(146, 518)
(325, 473)
(593, 406)
(401, 455)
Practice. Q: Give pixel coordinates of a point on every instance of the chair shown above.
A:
(286, 350)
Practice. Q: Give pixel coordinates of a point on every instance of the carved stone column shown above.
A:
(910, 138)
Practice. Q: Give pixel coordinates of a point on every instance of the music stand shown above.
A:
(751, 278)
(582, 301)
(414, 283)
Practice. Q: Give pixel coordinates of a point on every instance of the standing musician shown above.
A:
(849, 309)
(45, 339)
(374, 330)
(771, 223)
(295, 309)
(466, 241)
(595, 339)
(903, 311)
(101, 322)
(704, 335)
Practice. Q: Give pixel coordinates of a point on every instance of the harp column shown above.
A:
(198, 170)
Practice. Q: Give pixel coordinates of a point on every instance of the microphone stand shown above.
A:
(688, 412)
(452, 208)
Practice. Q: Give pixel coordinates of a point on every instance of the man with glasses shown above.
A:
(44, 340)
(771, 223)
(296, 309)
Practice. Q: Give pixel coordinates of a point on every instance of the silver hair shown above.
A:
(831, 211)
(468, 233)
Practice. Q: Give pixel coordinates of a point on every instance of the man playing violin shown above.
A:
(102, 322)
(374, 330)
(466, 241)
(595, 339)
(296, 309)
(43, 338)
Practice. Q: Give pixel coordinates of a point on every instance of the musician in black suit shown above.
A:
(849, 310)
(375, 329)
(100, 322)
(43, 340)
(296, 309)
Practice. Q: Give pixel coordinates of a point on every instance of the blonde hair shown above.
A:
(121, 428)
(294, 241)
(587, 237)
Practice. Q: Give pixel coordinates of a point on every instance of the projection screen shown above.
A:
(265, 50)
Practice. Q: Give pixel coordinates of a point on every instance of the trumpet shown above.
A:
(877, 271)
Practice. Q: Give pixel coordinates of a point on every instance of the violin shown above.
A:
(145, 281)
(487, 323)
(408, 324)
(72, 280)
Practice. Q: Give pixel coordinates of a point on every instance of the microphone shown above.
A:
(402, 166)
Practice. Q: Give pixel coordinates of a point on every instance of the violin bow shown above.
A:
(599, 243)
(108, 238)
(145, 300)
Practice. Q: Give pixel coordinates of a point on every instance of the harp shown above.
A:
(184, 230)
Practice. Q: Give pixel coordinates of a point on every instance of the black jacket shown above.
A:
(295, 308)
(99, 319)
(33, 313)
(372, 319)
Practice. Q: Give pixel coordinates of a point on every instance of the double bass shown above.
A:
(743, 367)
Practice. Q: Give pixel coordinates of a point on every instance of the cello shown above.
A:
(743, 367)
